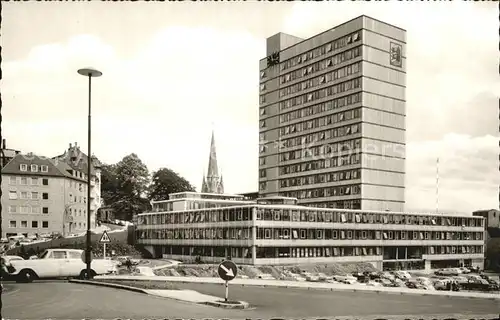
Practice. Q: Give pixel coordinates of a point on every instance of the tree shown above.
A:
(166, 181)
(109, 183)
(130, 178)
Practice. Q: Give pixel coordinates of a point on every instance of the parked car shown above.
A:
(56, 263)
(345, 279)
(446, 272)
(403, 275)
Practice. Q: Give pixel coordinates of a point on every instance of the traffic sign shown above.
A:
(84, 256)
(105, 238)
(227, 270)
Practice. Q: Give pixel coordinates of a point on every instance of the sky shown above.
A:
(172, 72)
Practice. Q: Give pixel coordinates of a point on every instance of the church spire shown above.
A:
(212, 182)
(213, 171)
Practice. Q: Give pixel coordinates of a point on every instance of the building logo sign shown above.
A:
(396, 55)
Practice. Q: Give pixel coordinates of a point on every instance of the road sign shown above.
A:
(105, 238)
(227, 270)
(84, 256)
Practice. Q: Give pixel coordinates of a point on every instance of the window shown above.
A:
(44, 168)
(34, 168)
(59, 255)
(23, 167)
(12, 180)
(24, 195)
(34, 224)
(45, 224)
(35, 209)
(45, 182)
(35, 195)
(12, 209)
(24, 224)
(74, 255)
(35, 181)
(45, 196)
(12, 195)
(25, 209)
(12, 224)
(24, 181)
(45, 210)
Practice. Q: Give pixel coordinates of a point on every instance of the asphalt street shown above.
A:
(61, 300)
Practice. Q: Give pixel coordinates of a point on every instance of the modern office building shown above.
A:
(43, 195)
(276, 231)
(332, 117)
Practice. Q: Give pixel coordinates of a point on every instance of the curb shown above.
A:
(242, 305)
(291, 286)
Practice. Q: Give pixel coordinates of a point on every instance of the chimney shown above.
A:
(4, 144)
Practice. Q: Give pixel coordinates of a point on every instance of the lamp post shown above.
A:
(90, 73)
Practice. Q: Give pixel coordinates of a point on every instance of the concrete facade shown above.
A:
(332, 117)
(209, 227)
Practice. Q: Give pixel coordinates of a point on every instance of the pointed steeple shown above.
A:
(213, 170)
(212, 183)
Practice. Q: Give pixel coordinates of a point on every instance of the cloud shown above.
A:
(164, 86)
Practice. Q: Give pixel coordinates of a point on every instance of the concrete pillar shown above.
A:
(427, 265)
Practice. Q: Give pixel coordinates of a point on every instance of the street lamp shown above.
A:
(90, 73)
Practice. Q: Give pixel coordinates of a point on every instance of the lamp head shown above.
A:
(89, 72)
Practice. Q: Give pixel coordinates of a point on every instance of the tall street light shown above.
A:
(90, 73)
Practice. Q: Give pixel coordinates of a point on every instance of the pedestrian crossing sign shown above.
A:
(105, 238)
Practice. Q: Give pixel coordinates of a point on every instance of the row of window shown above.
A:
(320, 94)
(314, 137)
(323, 78)
(318, 252)
(339, 204)
(365, 217)
(305, 215)
(320, 51)
(321, 107)
(34, 181)
(339, 234)
(305, 234)
(24, 224)
(321, 121)
(337, 191)
(33, 195)
(28, 209)
(328, 149)
(321, 178)
(34, 168)
(330, 162)
(205, 233)
(226, 214)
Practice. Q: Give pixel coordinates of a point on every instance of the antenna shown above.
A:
(437, 185)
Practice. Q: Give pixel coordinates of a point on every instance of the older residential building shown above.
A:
(7, 154)
(78, 162)
(42, 195)
(332, 117)
(105, 213)
(275, 231)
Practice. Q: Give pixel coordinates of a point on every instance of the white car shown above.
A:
(56, 263)
(8, 259)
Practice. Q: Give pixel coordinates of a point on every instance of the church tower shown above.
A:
(212, 183)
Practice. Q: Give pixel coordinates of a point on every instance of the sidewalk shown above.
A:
(181, 295)
(310, 285)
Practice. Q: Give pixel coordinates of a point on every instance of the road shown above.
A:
(60, 300)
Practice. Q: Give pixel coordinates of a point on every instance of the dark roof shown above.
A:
(78, 160)
(54, 169)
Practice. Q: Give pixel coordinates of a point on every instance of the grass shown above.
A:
(141, 284)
